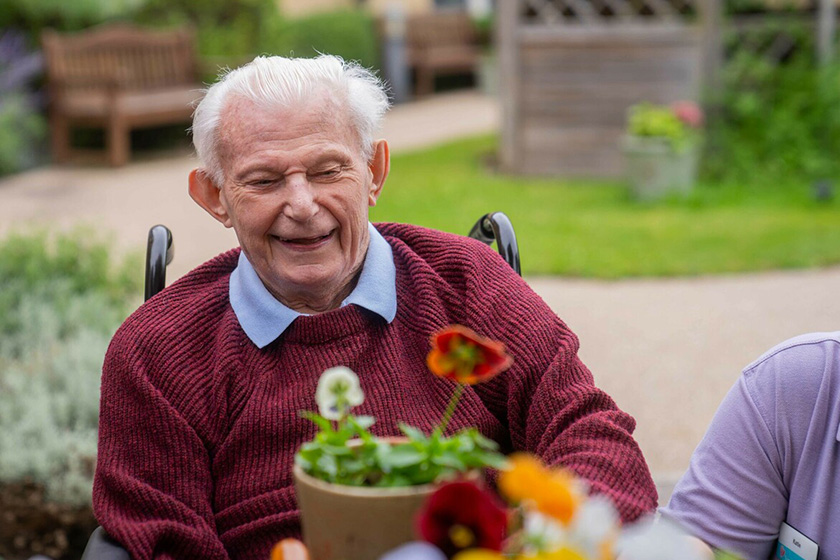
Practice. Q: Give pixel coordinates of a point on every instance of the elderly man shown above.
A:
(202, 385)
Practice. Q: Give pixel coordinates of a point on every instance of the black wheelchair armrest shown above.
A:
(159, 253)
(496, 226)
(102, 547)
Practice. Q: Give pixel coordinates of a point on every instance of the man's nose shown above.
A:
(300, 197)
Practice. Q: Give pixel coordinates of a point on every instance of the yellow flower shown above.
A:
(478, 554)
(550, 491)
(564, 553)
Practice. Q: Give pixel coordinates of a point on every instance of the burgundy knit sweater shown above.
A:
(198, 426)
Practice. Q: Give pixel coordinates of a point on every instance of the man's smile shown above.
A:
(308, 242)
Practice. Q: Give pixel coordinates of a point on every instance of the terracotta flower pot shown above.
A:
(356, 523)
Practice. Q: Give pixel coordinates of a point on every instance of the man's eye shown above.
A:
(328, 173)
(261, 183)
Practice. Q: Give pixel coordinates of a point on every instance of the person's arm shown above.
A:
(733, 495)
(548, 399)
(561, 416)
(153, 482)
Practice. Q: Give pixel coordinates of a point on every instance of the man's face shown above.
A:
(296, 192)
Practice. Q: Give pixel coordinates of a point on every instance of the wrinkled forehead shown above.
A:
(242, 118)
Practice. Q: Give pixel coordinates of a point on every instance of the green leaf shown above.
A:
(412, 433)
(450, 459)
(362, 423)
(327, 465)
(303, 463)
(402, 456)
(481, 441)
(488, 459)
(338, 450)
(322, 423)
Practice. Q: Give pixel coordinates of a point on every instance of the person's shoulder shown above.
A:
(191, 304)
(428, 241)
(794, 373)
(467, 278)
(448, 254)
(804, 352)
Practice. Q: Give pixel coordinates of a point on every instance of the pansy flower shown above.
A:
(338, 391)
(289, 549)
(461, 516)
(460, 354)
(551, 492)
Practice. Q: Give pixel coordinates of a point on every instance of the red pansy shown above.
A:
(459, 516)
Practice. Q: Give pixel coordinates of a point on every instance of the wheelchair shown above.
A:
(160, 251)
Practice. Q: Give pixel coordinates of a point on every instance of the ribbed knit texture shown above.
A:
(199, 427)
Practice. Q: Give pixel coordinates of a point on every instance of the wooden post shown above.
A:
(711, 17)
(825, 31)
(508, 53)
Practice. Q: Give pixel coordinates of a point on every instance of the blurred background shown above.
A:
(670, 167)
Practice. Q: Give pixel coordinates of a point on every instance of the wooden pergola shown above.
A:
(571, 68)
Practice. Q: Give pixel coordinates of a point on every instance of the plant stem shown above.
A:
(450, 408)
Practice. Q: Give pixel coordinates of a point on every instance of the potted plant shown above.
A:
(662, 148)
(346, 477)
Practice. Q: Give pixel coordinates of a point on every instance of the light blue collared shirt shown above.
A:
(263, 318)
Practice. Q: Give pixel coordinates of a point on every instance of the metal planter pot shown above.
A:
(654, 169)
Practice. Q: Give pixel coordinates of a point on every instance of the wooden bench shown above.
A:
(118, 77)
(441, 43)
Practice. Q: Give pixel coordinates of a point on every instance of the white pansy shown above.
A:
(595, 522)
(415, 551)
(338, 391)
(542, 533)
(659, 539)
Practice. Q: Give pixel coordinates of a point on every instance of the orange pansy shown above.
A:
(460, 354)
(552, 492)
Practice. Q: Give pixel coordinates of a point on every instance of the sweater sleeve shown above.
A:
(570, 422)
(556, 412)
(153, 482)
(549, 399)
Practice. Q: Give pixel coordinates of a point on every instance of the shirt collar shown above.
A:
(264, 318)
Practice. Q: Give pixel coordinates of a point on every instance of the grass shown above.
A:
(593, 229)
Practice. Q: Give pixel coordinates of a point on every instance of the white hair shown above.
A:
(274, 81)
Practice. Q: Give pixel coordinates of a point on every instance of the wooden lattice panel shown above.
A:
(603, 12)
(765, 39)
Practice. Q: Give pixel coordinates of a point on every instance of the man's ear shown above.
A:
(208, 196)
(380, 165)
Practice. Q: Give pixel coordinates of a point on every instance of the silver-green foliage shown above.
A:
(52, 342)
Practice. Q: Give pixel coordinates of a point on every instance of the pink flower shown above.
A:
(688, 112)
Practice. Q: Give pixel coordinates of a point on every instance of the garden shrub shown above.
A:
(61, 15)
(224, 28)
(350, 34)
(775, 119)
(22, 127)
(60, 304)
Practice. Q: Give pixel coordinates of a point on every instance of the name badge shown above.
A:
(794, 545)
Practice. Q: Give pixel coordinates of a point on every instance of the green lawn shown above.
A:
(593, 229)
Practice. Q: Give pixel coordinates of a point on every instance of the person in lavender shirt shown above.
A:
(770, 456)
